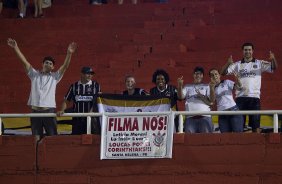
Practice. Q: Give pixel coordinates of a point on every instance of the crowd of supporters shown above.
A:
(198, 96)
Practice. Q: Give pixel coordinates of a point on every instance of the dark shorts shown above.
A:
(79, 126)
(249, 103)
(47, 123)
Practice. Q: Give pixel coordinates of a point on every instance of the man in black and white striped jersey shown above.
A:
(83, 95)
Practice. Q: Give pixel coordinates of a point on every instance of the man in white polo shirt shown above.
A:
(43, 88)
(196, 97)
(249, 71)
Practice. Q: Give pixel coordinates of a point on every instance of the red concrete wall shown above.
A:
(197, 158)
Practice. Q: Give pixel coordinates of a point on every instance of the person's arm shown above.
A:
(180, 88)
(71, 49)
(223, 71)
(13, 44)
(238, 83)
(1, 6)
(143, 92)
(272, 58)
(63, 108)
(212, 91)
(204, 98)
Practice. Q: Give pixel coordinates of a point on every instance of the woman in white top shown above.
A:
(222, 93)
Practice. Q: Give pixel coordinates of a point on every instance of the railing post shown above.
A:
(88, 124)
(275, 123)
(172, 117)
(180, 123)
(0, 126)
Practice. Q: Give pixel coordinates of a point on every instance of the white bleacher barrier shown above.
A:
(180, 124)
(88, 124)
(174, 113)
(275, 123)
(0, 126)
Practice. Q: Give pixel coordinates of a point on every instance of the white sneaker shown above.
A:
(96, 3)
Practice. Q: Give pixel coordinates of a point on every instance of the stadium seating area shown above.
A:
(138, 39)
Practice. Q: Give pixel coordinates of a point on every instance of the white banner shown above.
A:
(137, 136)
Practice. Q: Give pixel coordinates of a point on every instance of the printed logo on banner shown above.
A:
(159, 139)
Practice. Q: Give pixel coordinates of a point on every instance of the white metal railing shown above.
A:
(174, 113)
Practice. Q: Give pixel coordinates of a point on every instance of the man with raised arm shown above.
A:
(249, 70)
(43, 88)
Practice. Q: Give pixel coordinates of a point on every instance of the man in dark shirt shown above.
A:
(83, 94)
(161, 80)
(131, 89)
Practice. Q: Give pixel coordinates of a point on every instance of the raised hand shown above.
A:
(180, 81)
(230, 60)
(12, 43)
(271, 56)
(72, 47)
(212, 83)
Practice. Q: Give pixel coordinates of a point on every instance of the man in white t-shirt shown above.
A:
(249, 71)
(43, 88)
(196, 97)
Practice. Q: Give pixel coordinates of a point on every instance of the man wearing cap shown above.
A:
(83, 95)
(43, 89)
(196, 96)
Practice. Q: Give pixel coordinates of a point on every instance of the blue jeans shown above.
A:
(198, 124)
(231, 123)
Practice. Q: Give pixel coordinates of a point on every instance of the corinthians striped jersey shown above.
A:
(250, 76)
(83, 96)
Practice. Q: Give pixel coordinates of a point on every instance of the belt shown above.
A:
(197, 117)
(234, 108)
(40, 108)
